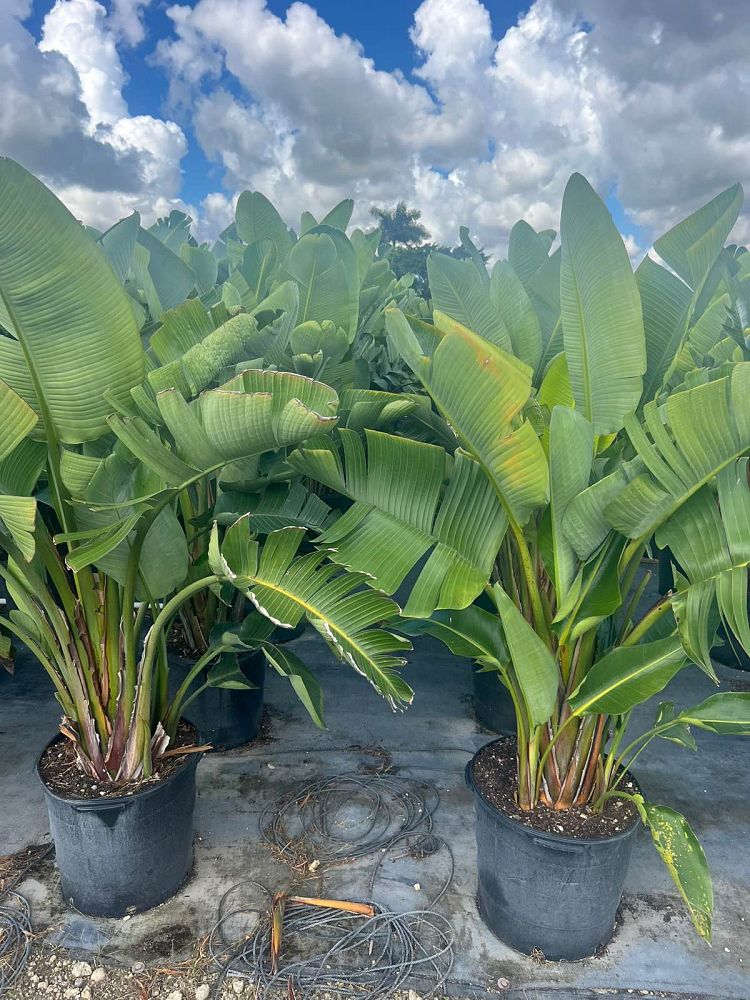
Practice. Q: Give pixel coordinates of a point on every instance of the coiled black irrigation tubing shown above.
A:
(347, 816)
(15, 927)
(348, 955)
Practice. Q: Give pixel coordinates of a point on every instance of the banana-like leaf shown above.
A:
(711, 542)
(513, 305)
(16, 420)
(481, 391)
(18, 515)
(339, 216)
(683, 855)
(666, 302)
(402, 513)
(256, 219)
(302, 679)
(254, 412)
(727, 713)
(324, 266)
(601, 311)
(679, 733)
(683, 447)
(628, 676)
(364, 408)
(165, 278)
(691, 247)
(114, 483)
(69, 312)
(458, 290)
(20, 470)
(527, 250)
(535, 667)
(204, 266)
(226, 673)
(571, 451)
(285, 588)
(280, 506)
(471, 632)
(253, 277)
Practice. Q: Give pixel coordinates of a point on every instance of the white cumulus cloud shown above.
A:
(648, 100)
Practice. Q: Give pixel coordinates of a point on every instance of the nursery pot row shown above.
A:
(545, 892)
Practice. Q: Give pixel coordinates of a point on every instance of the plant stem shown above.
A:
(652, 616)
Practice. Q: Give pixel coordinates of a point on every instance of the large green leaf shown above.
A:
(691, 247)
(711, 542)
(403, 513)
(535, 667)
(16, 420)
(303, 680)
(471, 632)
(18, 516)
(527, 250)
(77, 336)
(458, 291)
(257, 219)
(683, 855)
(280, 506)
(571, 450)
(285, 588)
(601, 311)
(514, 307)
(666, 302)
(727, 713)
(324, 265)
(627, 676)
(165, 278)
(480, 390)
(682, 446)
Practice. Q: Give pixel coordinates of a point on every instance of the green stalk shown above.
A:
(527, 566)
(652, 616)
(112, 617)
(632, 605)
(145, 674)
(178, 702)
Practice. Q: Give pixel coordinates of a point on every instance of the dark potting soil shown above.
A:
(60, 772)
(495, 777)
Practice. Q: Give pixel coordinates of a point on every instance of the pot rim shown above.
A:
(109, 801)
(558, 838)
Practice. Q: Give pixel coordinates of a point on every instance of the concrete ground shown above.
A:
(655, 950)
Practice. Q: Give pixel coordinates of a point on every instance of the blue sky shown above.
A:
(475, 111)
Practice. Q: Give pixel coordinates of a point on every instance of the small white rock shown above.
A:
(417, 886)
(86, 993)
(80, 969)
(98, 975)
(71, 992)
(238, 986)
(413, 995)
(175, 995)
(202, 992)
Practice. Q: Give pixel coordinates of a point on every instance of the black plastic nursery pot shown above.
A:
(493, 706)
(128, 853)
(544, 892)
(225, 717)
